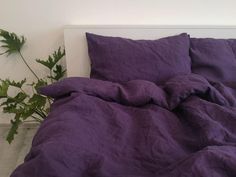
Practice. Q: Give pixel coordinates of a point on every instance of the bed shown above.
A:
(154, 105)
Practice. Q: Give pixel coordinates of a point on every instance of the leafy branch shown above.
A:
(11, 42)
(51, 63)
(22, 104)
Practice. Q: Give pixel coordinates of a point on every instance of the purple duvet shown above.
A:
(186, 127)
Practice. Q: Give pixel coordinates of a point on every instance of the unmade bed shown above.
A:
(160, 102)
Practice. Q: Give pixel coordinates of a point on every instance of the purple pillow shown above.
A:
(119, 59)
(215, 59)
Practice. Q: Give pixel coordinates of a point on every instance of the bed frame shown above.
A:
(77, 59)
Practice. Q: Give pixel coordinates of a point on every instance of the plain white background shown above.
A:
(42, 21)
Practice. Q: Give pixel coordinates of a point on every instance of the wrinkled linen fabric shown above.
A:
(214, 59)
(120, 59)
(185, 127)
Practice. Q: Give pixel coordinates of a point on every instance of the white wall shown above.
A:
(42, 21)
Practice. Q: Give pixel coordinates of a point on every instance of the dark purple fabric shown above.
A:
(215, 59)
(119, 59)
(136, 129)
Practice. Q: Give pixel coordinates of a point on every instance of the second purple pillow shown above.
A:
(119, 59)
(215, 59)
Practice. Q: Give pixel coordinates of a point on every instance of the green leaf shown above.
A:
(11, 108)
(11, 42)
(13, 131)
(27, 112)
(37, 101)
(52, 60)
(20, 97)
(15, 104)
(16, 84)
(40, 83)
(3, 89)
(58, 73)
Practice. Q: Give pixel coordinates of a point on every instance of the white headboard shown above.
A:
(77, 59)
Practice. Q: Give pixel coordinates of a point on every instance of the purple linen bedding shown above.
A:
(119, 59)
(185, 127)
(214, 59)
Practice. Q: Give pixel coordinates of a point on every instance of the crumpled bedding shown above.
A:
(186, 127)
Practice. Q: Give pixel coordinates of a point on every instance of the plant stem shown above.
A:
(40, 113)
(24, 92)
(51, 75)
(37, 111)
(27, 65)
(3, 53)
(36, 119)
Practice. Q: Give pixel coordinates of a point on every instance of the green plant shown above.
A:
(27, 106)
